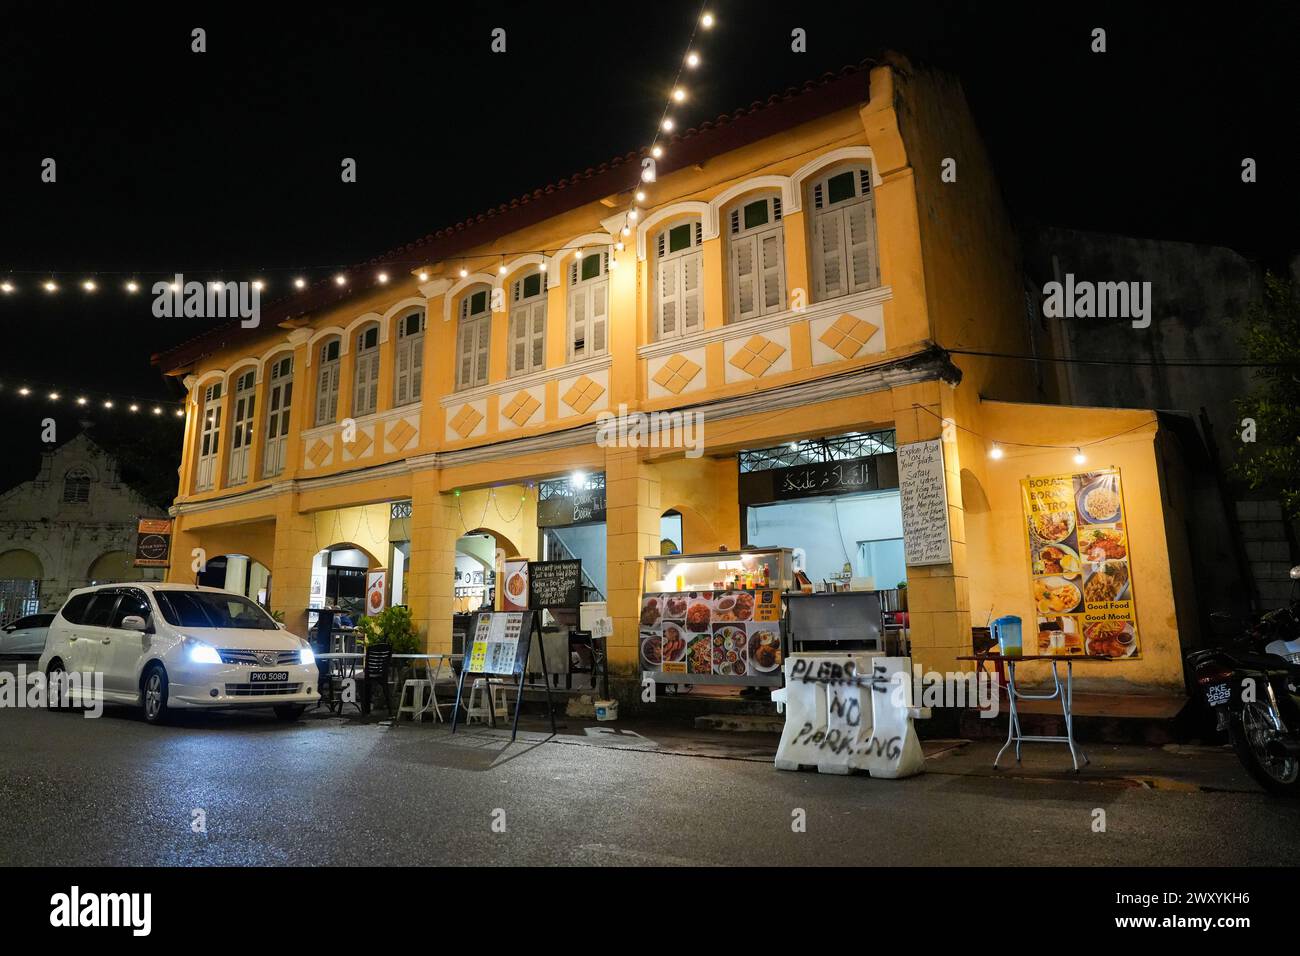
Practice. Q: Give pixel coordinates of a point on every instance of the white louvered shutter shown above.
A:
(402, 386)
(744, 277)
(844, 235)
(860, 232)
(828, 233)
(772, 249)
(599, 308)
(484, 334)
(668, 292)
(692, 295)
(518, 329)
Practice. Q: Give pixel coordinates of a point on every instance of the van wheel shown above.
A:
(153, 694)
(55, 673)
(289, 711)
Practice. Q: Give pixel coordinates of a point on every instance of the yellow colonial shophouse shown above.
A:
(794, 275)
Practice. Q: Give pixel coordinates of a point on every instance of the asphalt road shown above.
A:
(331, 791)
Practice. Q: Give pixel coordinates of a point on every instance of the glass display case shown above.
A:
(716, 617)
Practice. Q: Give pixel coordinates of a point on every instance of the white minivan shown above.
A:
(173, 646)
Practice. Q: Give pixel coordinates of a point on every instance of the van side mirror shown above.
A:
(134, 622)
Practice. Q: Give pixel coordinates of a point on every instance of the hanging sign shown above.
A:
(376, 590)
(923, 496)
(826, 478)
(514, 596)
(153, 543)
(1080, 574)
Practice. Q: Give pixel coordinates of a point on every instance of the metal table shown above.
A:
(432, 674)
(1065, 691)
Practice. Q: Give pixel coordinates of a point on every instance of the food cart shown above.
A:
(715, 617)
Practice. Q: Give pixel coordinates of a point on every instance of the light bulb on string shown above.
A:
(464, 273)
(89, 285)
(157, 410)
(423, 277)
(134, 408)
(383, 278)
(667, 124)
(300, 283)
(180, 413)
(706, 21)
(692, 59)
(259, 285)
(24, 390)
(640, 195)
(340, 279)
(6, 287)
(81, 400)
(679, 94)
(108, 403)
(1079, 456)
(50, 286)
(54, 396)
(132, 286)
(656, 151)
(996, 451)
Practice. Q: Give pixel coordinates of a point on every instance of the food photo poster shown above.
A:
(1080, 576)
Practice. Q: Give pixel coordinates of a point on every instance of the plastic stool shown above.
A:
(417, 705)
(482, 691)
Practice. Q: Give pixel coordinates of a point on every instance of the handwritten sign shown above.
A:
(848, 712)
(924, 499)
(554, 584)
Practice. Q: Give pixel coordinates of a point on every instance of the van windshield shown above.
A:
(206, 609)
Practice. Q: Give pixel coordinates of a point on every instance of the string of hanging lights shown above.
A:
(75, 397)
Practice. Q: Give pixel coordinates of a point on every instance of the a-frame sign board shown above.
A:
(498, 647)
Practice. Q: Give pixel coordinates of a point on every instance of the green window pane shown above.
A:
(840, 188)
(590, 266)
(756, 214)
(532, 285)
(478, 302)
(679, 237)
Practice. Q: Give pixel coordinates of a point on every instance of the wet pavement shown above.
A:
(335, 791)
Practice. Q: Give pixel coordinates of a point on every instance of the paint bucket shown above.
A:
(607, 710)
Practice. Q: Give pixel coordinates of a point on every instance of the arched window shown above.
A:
(588, 305)
(409, 366)
(678, 270)
(843, 224)
(209, 438)
(278, 399)
(241, 435)
(327, 383)
(365, 378)
(756, 252)
(473, 333)
(527, 324)
(76, 486)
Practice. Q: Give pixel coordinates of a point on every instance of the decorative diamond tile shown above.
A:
(847, 335)
(318, 452)
(400, 434)
(466, 420)
(359, 445)
(583, 394)
(757, 355)
(676, 374)
(521, 408)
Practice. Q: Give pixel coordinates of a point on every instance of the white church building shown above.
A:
(73, 525)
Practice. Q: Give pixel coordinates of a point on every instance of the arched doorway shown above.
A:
(239, 573)
(338, 580)
(21, 573)
(476, 569)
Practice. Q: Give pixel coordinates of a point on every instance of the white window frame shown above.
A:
(473, 339)
(764, 246)
(209, 439)
(588, 308)
(327, 382)
(241, 426)
(843, 263)
(365, 373)
(678, 309)
(279, 399)
(408, 365)
(526, 338)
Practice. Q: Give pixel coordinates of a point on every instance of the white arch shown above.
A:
(689, 207)
(813, 166)
(584, 241)
(474, 278)
(519, 262)
(237, 365)
(357, 323)
(285, 346)
(781, 183)
(197, 386)
(402, 307)
(320, 334)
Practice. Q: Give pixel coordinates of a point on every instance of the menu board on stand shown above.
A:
(923, 496)
(500, 641)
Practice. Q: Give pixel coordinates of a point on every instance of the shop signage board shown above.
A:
(554, 584)
(499, 648)
(923, 496)
(376, 592)
(153, 543)
(1080, 573)
(826, 478)
(574, 508)
(846, 712)
(712, 637)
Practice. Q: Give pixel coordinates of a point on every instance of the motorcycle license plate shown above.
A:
(1217, 694)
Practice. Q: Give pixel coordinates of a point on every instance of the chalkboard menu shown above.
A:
(924, 499)
(554, 584)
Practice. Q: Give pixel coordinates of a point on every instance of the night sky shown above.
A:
(226, 164)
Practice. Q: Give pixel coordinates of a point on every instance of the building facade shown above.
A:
(790, 280)
(71, 526)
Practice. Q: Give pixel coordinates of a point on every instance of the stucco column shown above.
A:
(430, 575)
(295, 546)
(189, 445)
(632, 531)
(221, 479)
(938, 596)
(257, 447)
(302, 403)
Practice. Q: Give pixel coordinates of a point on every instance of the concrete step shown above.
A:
(742, 723)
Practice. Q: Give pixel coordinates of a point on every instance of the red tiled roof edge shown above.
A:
(729, 131)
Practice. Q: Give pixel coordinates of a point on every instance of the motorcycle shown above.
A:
(1253, 688)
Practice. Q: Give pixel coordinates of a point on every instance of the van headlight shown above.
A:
(204, 654)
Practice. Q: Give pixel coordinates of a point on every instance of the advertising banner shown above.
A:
(153, 543)
(734, 636)
(1081, 577)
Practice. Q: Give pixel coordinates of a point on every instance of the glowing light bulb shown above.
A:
(340, 279)
(464, 273)
(995, 451)
(132, 286)
(656, 151)
(259, 285)
(667, 124)
(157, 410)
(383, 278)
(618, 246)
(502, 269)
(300, 283)
(89, 285)
(24, 390)
(424, 277)
(54, 396)
(108, 404)
(578, 254)
(80, 400)
(180, 413)
(632, 215)
(134, 408)
(692, 59)
(679, 94)
(50, 287)
(1079, 456)
(6, 287)
(706, 21)
(640, 195)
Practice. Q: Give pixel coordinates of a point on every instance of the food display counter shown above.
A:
(715, 618)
